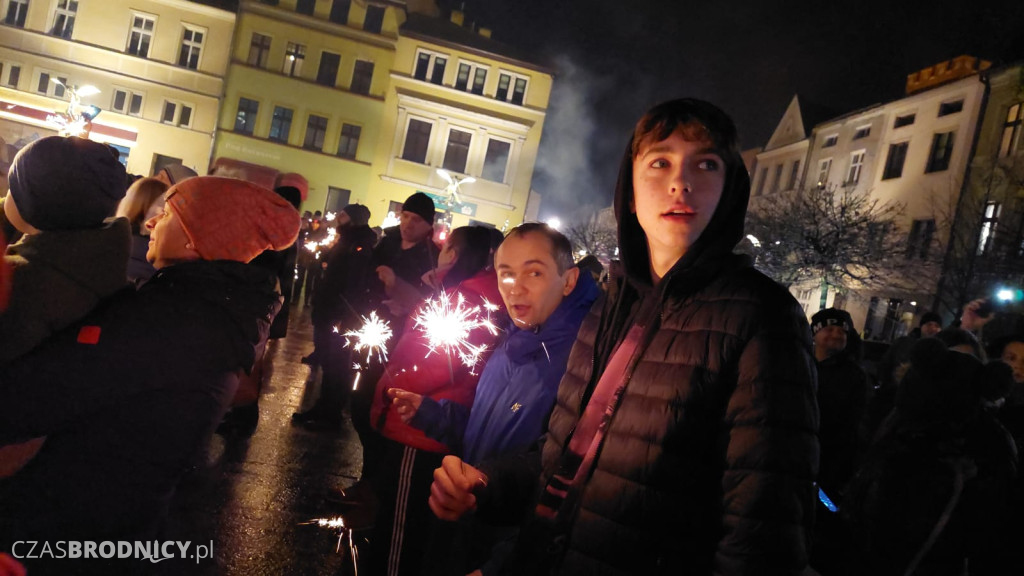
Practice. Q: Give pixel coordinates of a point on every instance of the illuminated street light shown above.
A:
(77, 119)
(1005, 295)
(554, 223)
(452, 191)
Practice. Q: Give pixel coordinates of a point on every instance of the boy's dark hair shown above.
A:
(473, 249)
(561, 248)
(698, 120)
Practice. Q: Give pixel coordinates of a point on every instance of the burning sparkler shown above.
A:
(448, 325)
(373, 337)
(338, 523)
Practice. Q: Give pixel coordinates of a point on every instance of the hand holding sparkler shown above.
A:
(454, 490)
(406, 403)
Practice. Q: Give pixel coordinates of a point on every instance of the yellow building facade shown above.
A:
(158, 66)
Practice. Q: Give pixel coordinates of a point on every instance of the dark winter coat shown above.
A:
(842, 398)
(708, 464)
(342, 297)
(126, 399)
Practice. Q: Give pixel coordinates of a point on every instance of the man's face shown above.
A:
(413, 227)
(167, 240)
(929, 329)
(830, 340)
(677, 184)
(1013, 354)
(528, 279)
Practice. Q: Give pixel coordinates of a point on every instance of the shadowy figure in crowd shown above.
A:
(842, 398)
(592, 266)
(8, 565)
(684, 435)
(144, 200)
(409, 457)
(129, 396)
(547, 299)
(308, 267)
(404, 254)
(339, 305)
(931, 496)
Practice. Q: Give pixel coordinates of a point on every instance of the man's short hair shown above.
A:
(561, 248)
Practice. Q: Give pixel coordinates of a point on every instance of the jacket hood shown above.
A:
(563, 323)
(725, 229)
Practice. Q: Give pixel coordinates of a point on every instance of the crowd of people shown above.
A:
(679, 417)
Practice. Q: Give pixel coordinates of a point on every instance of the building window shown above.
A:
(13, 75)
(824, 167)
(191, 47)
(862, 132)
(1011, 130)
(328, 72)
(362, 77)
(761, 181)
(280, 124)
(430, 65)
(259, 50)
(496, 160)
(856, 163)
(337, 198)
(989, 223)
(160, 162)
(245, 120)
(920, 239)
(293, 57)
(16, 11)
(64, 18)
(43, 87)
(471, 77)
(316, 129)
(894, 161)
(177, 113)
(349, 142)
(905, 120)
(830, 141)
(374, 19)
(518, 88)
(127, 102)
(417, 137)
(942, 149)
(305, 7)
(141, 35)
(457, 151)
(339, 11)
(947, 108)
(794, 174)
(777, 180)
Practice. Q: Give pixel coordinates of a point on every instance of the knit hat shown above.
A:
(66, 183)
(831, 317)
(930, 317)
(358, 214)
(420, 204)
(230, 219)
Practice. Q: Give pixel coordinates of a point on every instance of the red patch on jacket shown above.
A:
(89, 335)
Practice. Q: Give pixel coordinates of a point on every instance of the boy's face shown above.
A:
(677, 184)
(528, 279)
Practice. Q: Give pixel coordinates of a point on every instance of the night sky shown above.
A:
(615, 58)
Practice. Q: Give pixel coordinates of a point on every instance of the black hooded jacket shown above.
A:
(126, 399)
(708, 464)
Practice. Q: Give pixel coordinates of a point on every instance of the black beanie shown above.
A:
(358, 214)
(66, 183)
(831, 317)
(930, 317)
(421, 204)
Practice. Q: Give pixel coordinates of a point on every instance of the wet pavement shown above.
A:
(251, 494)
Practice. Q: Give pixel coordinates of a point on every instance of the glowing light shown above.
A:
(1005, 295)
(390, 220)
(344, 532)
(753, 240)
(555, 223)
(448, 326)
(330, 216)
(373, 337)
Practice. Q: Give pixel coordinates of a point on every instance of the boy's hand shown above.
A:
(971, 320)
(451, 494)
(387, 276)
(406, 403)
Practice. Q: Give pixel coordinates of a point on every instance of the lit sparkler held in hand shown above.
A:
(372, 336)
(448, 325)
(338, 523)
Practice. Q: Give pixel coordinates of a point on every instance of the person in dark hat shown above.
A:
(62, 189)
(842, 398)
(128, 396)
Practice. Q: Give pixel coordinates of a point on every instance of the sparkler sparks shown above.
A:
(448, 325)
(373, 337)
(338, 523)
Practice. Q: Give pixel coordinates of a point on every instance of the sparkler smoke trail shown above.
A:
(373, 337)
(448, 325)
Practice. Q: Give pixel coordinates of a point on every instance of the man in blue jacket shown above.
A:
(547, 299)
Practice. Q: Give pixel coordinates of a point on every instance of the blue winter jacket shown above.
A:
(517, 387)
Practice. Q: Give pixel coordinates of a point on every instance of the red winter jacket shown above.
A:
(435, 375)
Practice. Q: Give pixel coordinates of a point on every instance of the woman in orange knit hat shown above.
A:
(129, 396)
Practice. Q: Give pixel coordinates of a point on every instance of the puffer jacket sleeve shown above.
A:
(771, 424)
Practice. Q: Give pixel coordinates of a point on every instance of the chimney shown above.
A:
(485, 32)
(458, 17)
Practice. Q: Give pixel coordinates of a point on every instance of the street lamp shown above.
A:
(77, 119)
(452, 191)
(554, 223)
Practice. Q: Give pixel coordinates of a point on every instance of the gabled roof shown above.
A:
(797, 122)
(446, 32)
